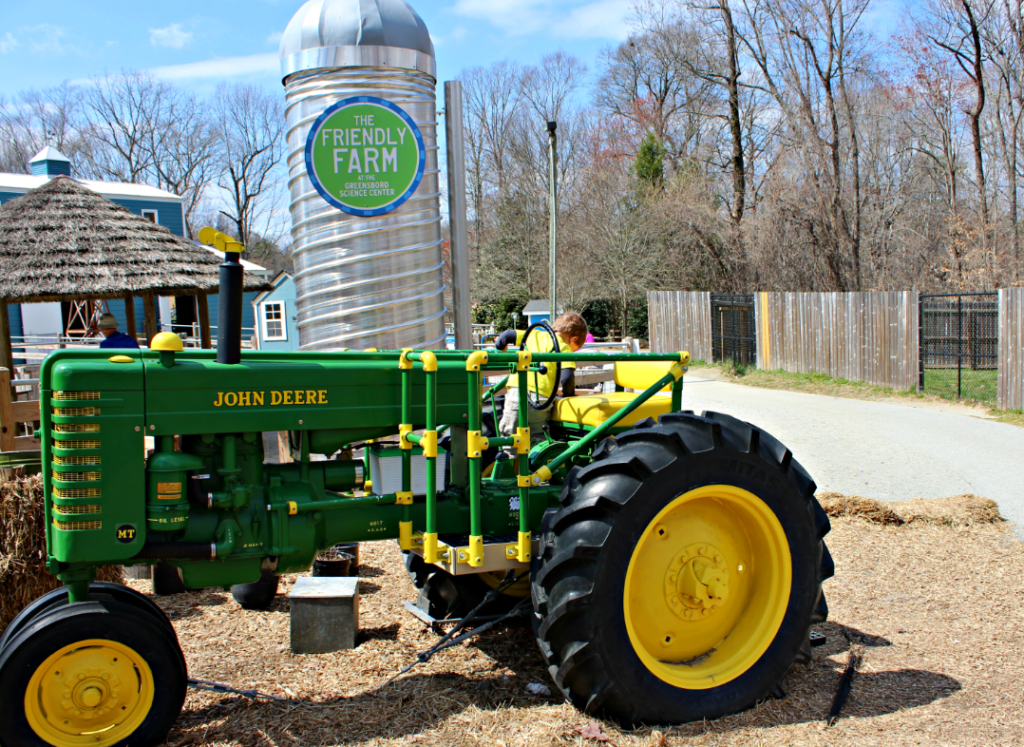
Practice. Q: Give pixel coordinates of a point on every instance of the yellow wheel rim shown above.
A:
(94, 692)
(494, 579)
(707, 587)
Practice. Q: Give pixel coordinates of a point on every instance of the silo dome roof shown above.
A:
(341, 33)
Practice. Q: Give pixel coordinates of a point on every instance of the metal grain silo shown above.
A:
(359, 79)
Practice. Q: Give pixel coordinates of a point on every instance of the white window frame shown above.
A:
(154, 213)
(284, 321)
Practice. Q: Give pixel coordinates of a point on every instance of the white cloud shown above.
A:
(173, 36)
(513, 16)
(7, 43)
(603, 19)
(225, 67)
(599, 19)
(47, 38)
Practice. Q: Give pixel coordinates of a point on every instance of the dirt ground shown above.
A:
(935, 606)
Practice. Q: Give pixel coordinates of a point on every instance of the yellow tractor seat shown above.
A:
(594, 409)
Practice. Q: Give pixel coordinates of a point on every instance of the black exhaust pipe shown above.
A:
(229, 322)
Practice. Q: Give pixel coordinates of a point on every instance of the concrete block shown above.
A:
(324, 614)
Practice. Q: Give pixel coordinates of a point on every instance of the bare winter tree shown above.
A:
(185, 151)
(252, 146)
(35, 119)
(125, 114)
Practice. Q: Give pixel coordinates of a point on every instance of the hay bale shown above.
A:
(23, 575)
(955, 511)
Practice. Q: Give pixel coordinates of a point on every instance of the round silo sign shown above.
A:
(365, 156)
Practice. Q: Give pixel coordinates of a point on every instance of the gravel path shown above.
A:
(878, 449)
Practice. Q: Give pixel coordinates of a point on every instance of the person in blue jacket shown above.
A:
(108, 328)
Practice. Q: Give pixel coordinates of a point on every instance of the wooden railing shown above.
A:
(13, 414)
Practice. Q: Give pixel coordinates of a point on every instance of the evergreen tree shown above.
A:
(650, 161)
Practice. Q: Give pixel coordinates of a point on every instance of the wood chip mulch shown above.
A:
(934, 605)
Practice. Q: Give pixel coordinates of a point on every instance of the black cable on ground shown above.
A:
(845, 685)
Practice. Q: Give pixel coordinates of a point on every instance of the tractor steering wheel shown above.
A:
(558, 364)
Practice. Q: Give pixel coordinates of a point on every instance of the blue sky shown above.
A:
(200, 43)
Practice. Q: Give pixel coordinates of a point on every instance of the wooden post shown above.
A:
(129, 310)
(204, 322)
(8, 428)
(6, 356)
(149, 304)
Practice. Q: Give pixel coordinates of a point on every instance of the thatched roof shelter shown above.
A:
(64, 242)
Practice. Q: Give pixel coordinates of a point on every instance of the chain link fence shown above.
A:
(959, 341)
(733, 329)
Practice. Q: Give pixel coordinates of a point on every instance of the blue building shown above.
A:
(48, 320)
(274, 311)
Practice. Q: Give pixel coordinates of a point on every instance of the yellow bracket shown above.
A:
(404, 430)
(403, 498)
(476, 359)
(476, 551)
(525, 358)
(429, 360)
(293, 508)
(677, 371)
(524, 548)
(370, 350)
(428, 442)
(541, 475)
(521, 440)
(212, 237)
(684, 358)
(524, 481)
(430, 547)
(405, 535)
(476, 444)
(403, 361)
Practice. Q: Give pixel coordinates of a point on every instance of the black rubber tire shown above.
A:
(259, 594)
(99, 589)
(100, 619)
(579, 576)
(167, 580)
(442, 595)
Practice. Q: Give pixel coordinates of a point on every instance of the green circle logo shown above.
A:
(365, 156)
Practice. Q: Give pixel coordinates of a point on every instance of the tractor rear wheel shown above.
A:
(680, 578)
(100, 673)
(259, 594)
(167, 579)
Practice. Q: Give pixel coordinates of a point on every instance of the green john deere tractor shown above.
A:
(674, 561)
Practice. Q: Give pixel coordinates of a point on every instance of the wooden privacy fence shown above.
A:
(871, 337)
(13, 414)
(1010, 353)
(680, 320)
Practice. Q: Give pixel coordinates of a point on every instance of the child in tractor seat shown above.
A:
(572, 331)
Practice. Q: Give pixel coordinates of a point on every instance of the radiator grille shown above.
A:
(85, 508)
(61, 396)
(76, 444)
(76, 412)
(75, 526)
(68, 461)
(77, 476)
(76, 427)
(76, 492)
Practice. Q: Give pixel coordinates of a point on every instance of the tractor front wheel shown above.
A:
(98, 673)
(680, 578)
